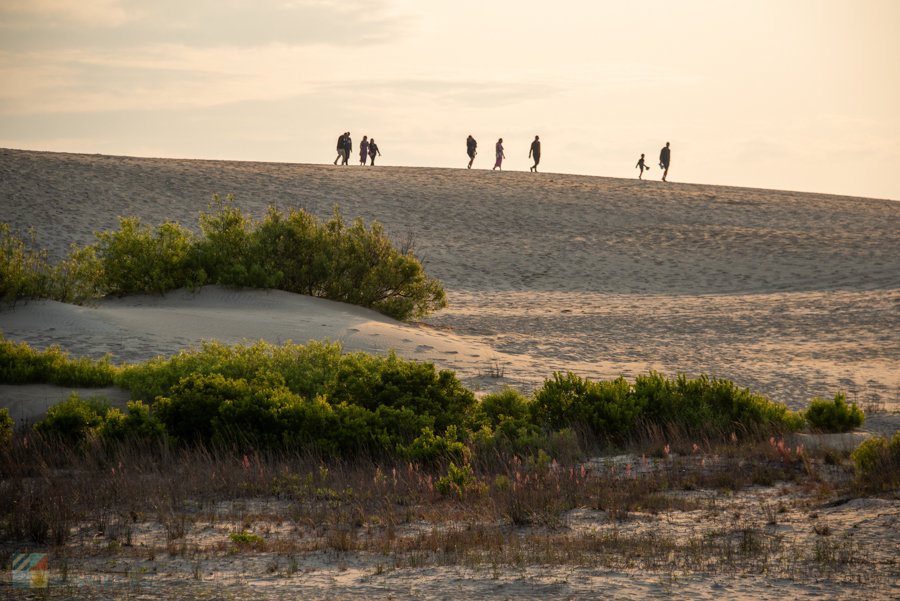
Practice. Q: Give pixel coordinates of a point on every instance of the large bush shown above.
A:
(834, 416)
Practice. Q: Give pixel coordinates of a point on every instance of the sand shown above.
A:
(793, 295)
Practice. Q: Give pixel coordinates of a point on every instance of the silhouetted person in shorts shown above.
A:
(641, 165)
(340, 148)
(536, 152)
(471, 150)
(664, 156)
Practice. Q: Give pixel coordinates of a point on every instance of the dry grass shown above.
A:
(95, 506)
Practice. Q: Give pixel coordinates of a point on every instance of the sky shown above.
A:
(800, 95)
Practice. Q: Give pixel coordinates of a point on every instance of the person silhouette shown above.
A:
(640, 164)
(471, 150)
(665, 156)
(363, 150)
(348, 148)
(373, 150)
(536, 151)
(500, 155)
(340, 148)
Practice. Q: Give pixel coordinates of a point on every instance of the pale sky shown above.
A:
(784, 94)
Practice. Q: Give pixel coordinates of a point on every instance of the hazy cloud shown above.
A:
(36, 25)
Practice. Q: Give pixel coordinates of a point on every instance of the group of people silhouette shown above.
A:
(665, 156)
(535, 152)
(367, 149)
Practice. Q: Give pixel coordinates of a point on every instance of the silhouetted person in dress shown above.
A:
(471, 150)
(363, 150)
(665, 156)
(641, 166)
(536, 152)
(500, 155)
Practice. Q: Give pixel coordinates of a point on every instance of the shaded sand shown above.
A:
(137, 328)
(793, 295)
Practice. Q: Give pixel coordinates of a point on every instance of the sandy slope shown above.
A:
(790, 294)
(793, 295)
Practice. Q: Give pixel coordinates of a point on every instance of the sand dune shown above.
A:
(793, 295)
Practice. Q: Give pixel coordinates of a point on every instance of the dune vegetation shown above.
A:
(290, 251)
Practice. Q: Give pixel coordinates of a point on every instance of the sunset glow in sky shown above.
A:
(799, 95)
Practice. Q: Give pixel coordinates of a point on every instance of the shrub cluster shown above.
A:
(834, 416)
(75, 419)
(21, 364)
(614, 407)
(25, 271)
(289, 395)
(293, 252)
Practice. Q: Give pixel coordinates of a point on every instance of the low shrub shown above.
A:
(834, 416)
(21, 364)
(137, 424)
(612, 408)
(6, 426)
(73, 418)
(24, 270)
(877, 463)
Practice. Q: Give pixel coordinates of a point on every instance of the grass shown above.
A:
(189, 507)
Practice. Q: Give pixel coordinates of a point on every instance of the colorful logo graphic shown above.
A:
(29, 570)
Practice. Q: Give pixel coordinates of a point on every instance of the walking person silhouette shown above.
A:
(664, 156)
(640, 164)
(500, 155)
(536, 151)
(340, 147)
(373, 150)
(471, 150)
(363, 150)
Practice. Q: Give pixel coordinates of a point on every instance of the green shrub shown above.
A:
(299, 254)
(137, 424)
(74, 418)
(24, 270)
(435, 399)
(607, 407)
(428, 449)
(834, 416)
(878, 462)
(611, 408)
(139, 259)
(6, 426)
(458, 482)
(21, 364)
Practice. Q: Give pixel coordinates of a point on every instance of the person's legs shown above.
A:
(372, 162)
(471, 160)
(339, 156)
(665, 173)
(537, 160)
